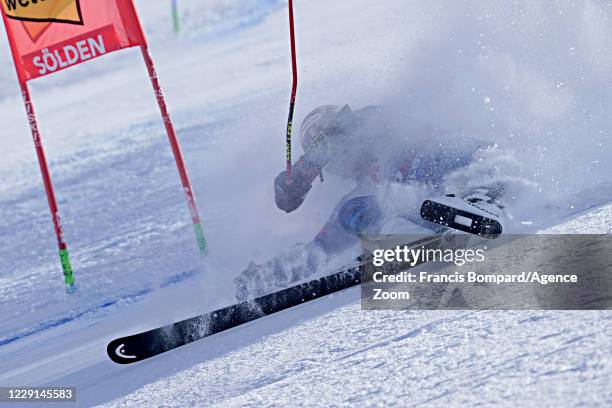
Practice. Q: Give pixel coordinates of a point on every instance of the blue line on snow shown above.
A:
(49, 324)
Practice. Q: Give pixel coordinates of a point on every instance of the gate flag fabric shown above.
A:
(47, 36)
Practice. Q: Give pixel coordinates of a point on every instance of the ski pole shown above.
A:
(293, 90)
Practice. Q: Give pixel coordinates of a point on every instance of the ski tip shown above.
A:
(71, 288)
(118, 353)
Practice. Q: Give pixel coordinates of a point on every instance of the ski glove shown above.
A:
(290, 195)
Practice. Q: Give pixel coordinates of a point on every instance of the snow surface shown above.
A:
(532, 75)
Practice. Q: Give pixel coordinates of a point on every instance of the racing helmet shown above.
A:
(315, 124)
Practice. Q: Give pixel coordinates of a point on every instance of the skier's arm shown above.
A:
(290, 195)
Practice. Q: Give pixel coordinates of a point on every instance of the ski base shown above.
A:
(472, 221)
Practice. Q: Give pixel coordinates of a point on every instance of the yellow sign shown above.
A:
(35, 12)
(60, 11)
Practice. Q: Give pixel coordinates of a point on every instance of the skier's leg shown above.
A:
(351, 217)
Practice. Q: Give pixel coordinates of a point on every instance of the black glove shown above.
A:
(290, 195)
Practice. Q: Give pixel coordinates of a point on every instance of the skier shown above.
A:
(363, 146)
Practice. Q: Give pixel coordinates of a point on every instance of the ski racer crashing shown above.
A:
(363, 147)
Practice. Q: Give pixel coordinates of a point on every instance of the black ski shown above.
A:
(138, 347)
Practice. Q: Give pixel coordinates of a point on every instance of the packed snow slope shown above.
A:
(532, 76)
(332, 353)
